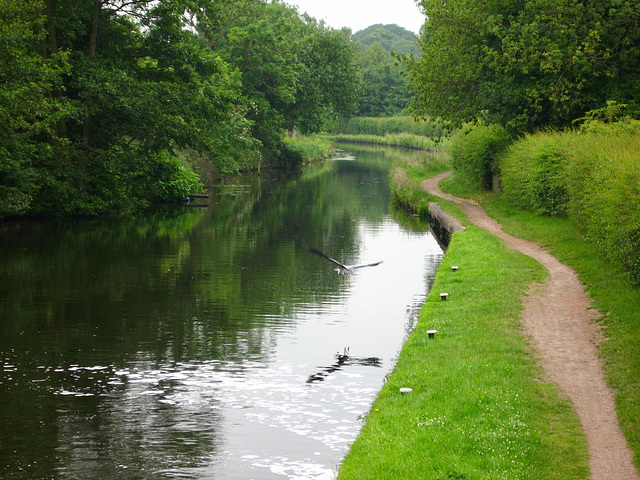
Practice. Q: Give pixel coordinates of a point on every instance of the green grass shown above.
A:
(608, 285)
(613, 295)
(311, 147)
(479, 409)
(384, 125)
(407, 173)
(406, 140)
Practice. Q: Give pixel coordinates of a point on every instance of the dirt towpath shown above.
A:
(558, 317)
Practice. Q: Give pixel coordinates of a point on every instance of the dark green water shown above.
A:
(207, 343)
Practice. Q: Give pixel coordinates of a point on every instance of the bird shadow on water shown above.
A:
(344, 360)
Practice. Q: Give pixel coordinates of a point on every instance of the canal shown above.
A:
(207, 342)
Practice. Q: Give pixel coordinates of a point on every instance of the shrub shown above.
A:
(533, 174)
(312, 148)
(165, 179)
(592, 175)
(474, 153)
(604, 185)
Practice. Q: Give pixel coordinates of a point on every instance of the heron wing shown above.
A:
(353, 267)
(321, 254)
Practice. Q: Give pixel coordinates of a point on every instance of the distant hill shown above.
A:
(391, 37)
(385, 83)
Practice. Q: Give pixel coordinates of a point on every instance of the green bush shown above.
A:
(288, 157)
(312, 148)
(604, 184)
(112, 180)
(167, 180)
(474, 153)
(592, 175)
(533, 174)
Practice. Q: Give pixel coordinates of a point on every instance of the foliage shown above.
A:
(592, 175)
(329, 83)
(389, 125)
(603, 182)
(385, 83)
(475, 151)
(30, 103)
(108, 103)
(533, 175)
(526, 64)
(392, 38)
(404, 140)
(295, 71)
(312, 148)
(407, 174)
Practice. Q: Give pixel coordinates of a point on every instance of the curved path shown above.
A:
(559, 319)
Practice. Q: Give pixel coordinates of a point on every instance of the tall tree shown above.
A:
(524, 64)
(386, 89)
(30, 107)
(141, 89)
(101, 99)
(328, 81)
(295, 70)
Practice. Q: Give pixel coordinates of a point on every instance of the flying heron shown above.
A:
(345, 270)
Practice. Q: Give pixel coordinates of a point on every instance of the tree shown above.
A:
(295, 71)
(329, 81)
(102, 100)
(100, 97)
(386, 89)
(392, 38)
(524, 64)
(29, 105)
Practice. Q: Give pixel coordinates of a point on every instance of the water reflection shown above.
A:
(343, 360)
(183, 343)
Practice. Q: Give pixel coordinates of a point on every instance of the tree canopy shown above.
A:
(391, 37)
(526, 64)
(386, 89)
(101, 99)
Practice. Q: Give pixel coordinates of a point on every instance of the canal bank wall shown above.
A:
(442, 225)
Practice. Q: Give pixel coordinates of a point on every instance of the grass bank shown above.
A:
(405, 140)
(608, 285)
(407, 173)
(577, 194)
(479, 408)
(311, 148)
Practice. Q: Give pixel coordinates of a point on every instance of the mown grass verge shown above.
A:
(611, 290)
(478, 409)
(576, 193)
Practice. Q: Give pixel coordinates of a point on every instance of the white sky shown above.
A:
(359, 14)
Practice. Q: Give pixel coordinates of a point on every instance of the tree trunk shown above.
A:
(93, 43)
(52, 41)
(93, 40)
(50, 47)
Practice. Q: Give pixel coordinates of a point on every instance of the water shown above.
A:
(207, 343)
